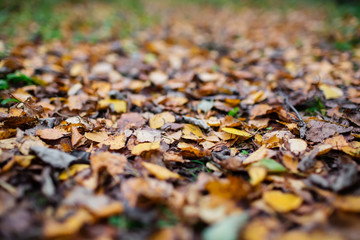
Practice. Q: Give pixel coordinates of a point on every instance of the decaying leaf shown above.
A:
(55, 158)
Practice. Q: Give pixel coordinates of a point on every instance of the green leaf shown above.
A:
(3, 85)
(244, 152)
(271, 165)
(8, 100)
(226, 229)
(269, 128)
(233, 112)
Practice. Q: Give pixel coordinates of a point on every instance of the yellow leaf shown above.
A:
(316, 235)
(257, 174)
(158, 120)
(160, 172)
(192, 132)
(331, 92)
(353, 149)
(24, 161)
(282, 202)
(72, 224)
(97, 136)
(241, 133)
(144, 147)
(74, 169)
(348, 203)
(119, 106)
(259, 154)
(7, 133)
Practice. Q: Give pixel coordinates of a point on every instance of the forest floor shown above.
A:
(217, 123)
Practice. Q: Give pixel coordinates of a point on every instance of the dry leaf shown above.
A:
(118, 106)
(282, 202)
(116, 142)
(259, 154)
(160, 172)
(297, 146)
(145, 147)
(243, 134)
(97, 136)
(192, 132)
(50, 133)
(257, 174)
(158, 120)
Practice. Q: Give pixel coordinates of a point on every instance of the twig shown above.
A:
(301, 124)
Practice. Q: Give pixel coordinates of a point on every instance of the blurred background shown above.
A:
(93, 21)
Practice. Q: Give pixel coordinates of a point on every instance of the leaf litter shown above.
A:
(97, 142)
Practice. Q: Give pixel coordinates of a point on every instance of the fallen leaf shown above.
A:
(116, 142)
(145, 147)
(74, 169)
(160, 172)
(50, 133)
(70, 226)
(259, 154)
(118, 106)
(297, 146)
(257, 174)
(282, 202)
(226, 229)
(271, 165)
(320, 130)
(158, 120)
(243, 134)
(331, 92)
(192, 132)
(55, 158)
(97, 136)
(229, 188)
(113, 163)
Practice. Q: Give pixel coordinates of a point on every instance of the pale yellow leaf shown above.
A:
(331, 92)
(97, 136)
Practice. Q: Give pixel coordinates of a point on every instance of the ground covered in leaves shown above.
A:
(245, 127)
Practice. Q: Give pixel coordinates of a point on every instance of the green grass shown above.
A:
(95, 20)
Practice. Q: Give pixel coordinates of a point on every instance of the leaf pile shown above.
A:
(200, 129)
